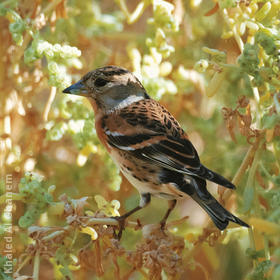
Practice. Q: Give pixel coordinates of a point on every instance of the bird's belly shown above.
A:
(128, 169)
(165, 191)
(140, 176)
(142, 187)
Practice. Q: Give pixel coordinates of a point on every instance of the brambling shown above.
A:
(148, 144)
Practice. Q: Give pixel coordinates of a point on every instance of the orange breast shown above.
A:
(100, 132)
(98, 124)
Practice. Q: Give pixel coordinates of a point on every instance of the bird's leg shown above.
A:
(145, 200)
(171, 204)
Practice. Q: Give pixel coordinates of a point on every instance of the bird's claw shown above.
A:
(121, 221)
(162, 225)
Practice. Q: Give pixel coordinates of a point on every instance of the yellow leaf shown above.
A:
(90, 231)
(215, 84)
(57, 208)
(269, 134)
(190, 237)
(264, 226)
(100, 200)
(264, 98)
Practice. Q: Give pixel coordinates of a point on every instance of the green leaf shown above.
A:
(266, 42)
(260, 270)
(255, 254)
(57, 131)
(248, 198)
(276, 273)
(225, 4)
(269, 121)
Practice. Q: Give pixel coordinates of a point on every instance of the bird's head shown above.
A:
(110, 88)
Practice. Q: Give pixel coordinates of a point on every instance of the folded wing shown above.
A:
(152, 134)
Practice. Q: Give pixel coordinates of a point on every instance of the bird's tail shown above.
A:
(219, 215)
(210, 175)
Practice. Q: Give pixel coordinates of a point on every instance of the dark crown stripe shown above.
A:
(111, 71)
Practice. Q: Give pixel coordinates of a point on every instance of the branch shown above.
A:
(235, 33)
(248, 160)
(29, 34)
(51, 6)
(135, 15)
(49, 103)
(36, 267)
(21, 265)
(16, 57)
(109, 222)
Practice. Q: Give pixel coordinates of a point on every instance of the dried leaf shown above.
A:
(214, 10)
(230, 118)
(243, 101)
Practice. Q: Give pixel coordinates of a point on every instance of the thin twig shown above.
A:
(36, 267)
(113, 222)
(144, 273)
(7, 2)
(49, 103)
(50, 6)
(109, 222)
(266, 246)
(177, 222)
(234, 30)
(252, 242)
(28, 35)
(20, 51)
(127, 276)
(135, 15)
(99, 266)
(204, 270)
(21, 265)
(244, 165)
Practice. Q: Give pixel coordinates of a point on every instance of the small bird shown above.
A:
(148, 144)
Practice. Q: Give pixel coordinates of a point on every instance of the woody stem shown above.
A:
(244, 165)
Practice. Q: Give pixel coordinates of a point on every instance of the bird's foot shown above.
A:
(163, 227)
(121, 220)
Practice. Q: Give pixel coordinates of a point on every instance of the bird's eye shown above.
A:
(99, 82)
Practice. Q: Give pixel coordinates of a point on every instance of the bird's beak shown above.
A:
(77, 89)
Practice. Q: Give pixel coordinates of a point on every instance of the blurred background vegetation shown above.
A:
(213, 63)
